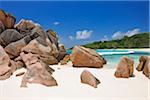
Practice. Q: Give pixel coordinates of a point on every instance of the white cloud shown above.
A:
(83, 34)
(132, 32)
(119, 34)
(105, 38)
(71, 37)
(56, 23)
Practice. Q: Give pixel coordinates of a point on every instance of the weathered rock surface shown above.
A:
(29, 58)
(52, 37)
(2, 16)
(8, 36)
(45, 52)
(42, 35)
(37, 48)
(88, 78)
(2, 27)
(61, 52)
(144, 65)
(125, 68)
(10, 21)
(146, 70)
(14, 48)
(18, 64)
(5, 69)
(142, 62)
(85, 57)
(49, 60)
(7, 19)
(37, 71)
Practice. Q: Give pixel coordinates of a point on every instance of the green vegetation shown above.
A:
(136, 41)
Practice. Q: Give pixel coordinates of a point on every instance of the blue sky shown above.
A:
(80, 22)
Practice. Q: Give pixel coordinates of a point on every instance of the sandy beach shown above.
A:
(70, 87)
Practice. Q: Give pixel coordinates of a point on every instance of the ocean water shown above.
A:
(113, 56)
(113, 60)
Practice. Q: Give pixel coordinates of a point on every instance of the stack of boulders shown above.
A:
(144, 65)
(26, 44)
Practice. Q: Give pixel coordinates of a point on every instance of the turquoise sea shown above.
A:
(113, 56)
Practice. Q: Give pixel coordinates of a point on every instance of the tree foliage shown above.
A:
(136, 41)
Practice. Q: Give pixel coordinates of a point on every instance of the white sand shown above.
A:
(70, 87)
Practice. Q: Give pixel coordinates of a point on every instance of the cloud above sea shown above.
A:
(129, 33)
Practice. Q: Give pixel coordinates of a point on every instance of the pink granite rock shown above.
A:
(88, 78)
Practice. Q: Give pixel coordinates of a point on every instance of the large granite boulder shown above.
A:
(44, 40)
(88, 78)
(85, 57)
(142, 62)
(7, 19)
(25, 26)
(5, 69)
(45, 52)
(8, 36)
(37, 48)
(37, 71)
(14, 48)
(125, 68)
(144, 65)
